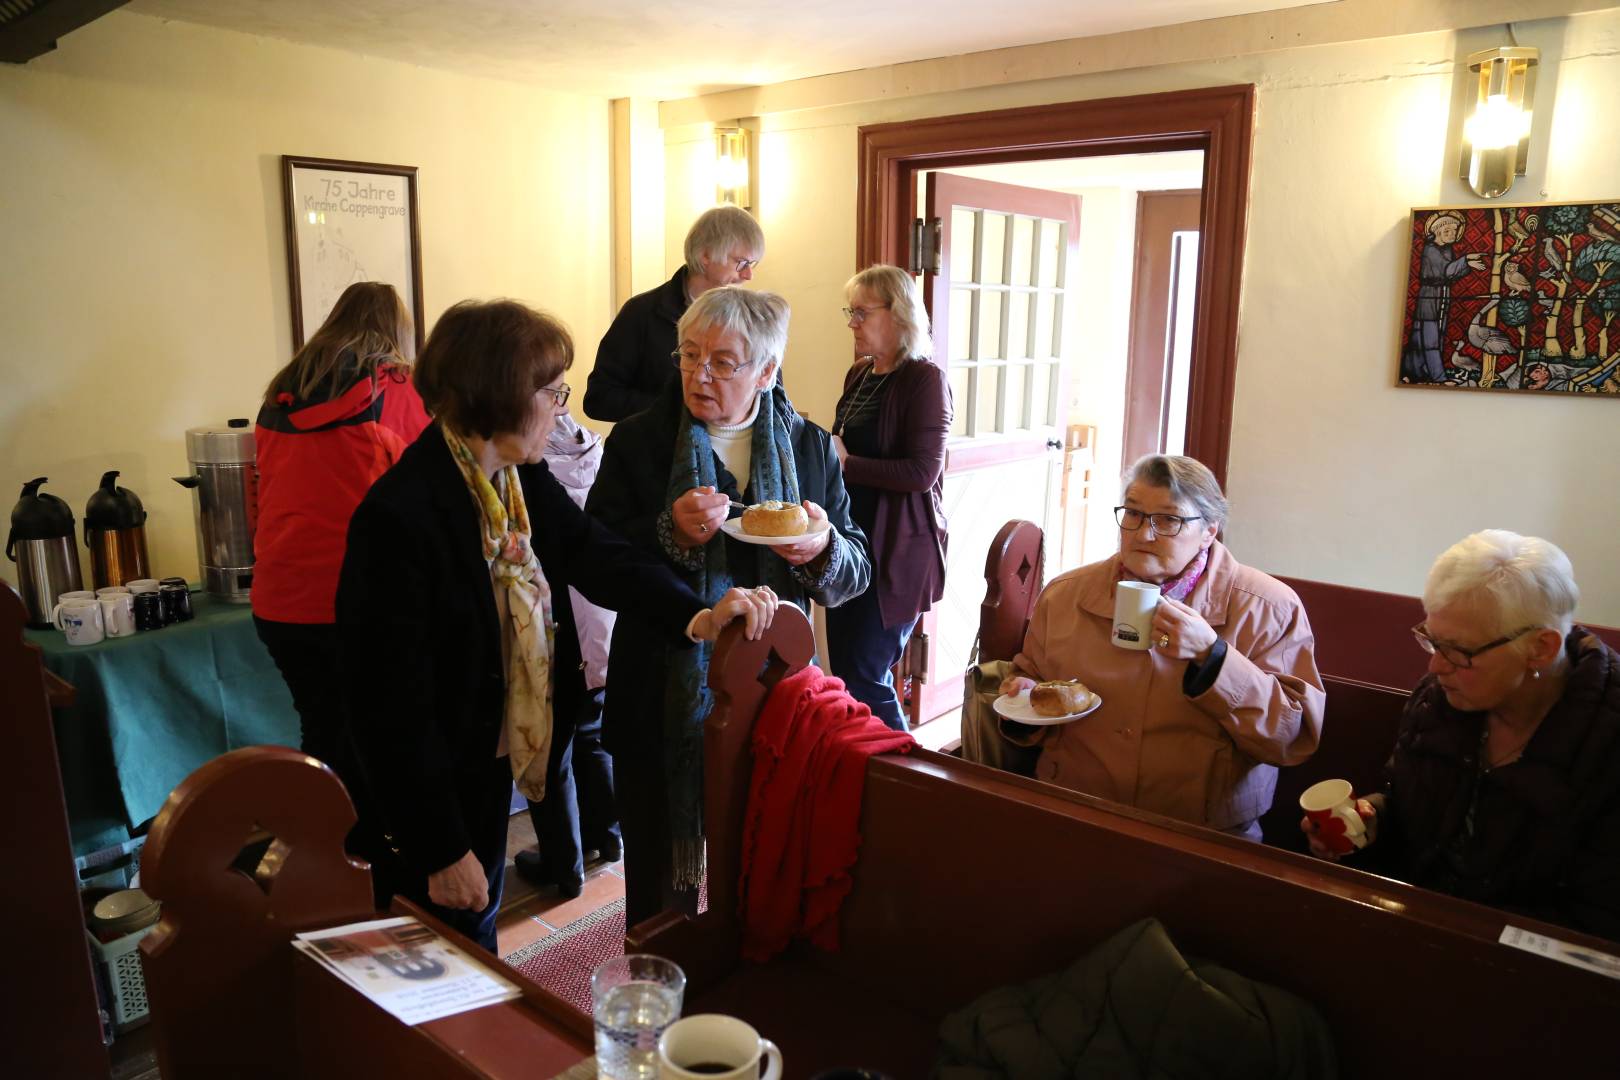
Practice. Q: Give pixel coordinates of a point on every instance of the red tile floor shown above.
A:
(528, 915)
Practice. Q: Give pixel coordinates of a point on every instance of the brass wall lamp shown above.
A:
(1496, 136)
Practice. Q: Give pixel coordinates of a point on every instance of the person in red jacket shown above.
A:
(333, 420)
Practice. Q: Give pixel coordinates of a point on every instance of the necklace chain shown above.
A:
(856, 401)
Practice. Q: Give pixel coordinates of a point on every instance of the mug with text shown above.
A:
(1331, 806)
(1134, 604)
(79, 620)
(716, 1047)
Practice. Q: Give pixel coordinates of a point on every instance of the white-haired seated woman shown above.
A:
(1504, 785)
(723, 432)
(1194, 727)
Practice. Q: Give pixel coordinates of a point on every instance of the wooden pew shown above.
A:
(1029, 877)
(229, 994)
(1014, 571)
(51, 1021)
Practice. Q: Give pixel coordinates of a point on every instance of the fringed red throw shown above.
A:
(800, 837)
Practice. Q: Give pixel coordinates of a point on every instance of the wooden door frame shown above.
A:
(1217, 120)
(1151, 310)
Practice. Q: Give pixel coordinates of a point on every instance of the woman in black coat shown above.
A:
(724, 433)
(460, 663)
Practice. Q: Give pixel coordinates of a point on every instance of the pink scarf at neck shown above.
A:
(1181, 586)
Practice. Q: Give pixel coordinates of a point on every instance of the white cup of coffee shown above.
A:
(118, 613)
(1331, 806)
(1134, 604)
(711, 1046)
(79, 620)
(143, 584)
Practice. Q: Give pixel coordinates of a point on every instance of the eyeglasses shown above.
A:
(1163, 524)
(720, 370)
(1456, 655)
(559, 394)
(859, 314)
(744, 265)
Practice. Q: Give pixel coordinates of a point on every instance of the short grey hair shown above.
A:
(759, 318)
(717, 231)
(1527, 580)
(893, 286)
(1189, 481)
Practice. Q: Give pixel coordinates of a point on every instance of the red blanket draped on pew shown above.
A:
(800, 835)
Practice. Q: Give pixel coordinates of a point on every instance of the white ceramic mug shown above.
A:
(143, 584)
(1134, 604)
(111, 590)
(79, 620)
(76, 594)
(715, 1047)
(1331, 806)
(118, 613)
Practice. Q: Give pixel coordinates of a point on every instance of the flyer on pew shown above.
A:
(406, 968)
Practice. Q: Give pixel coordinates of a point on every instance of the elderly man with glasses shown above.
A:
(723, 247)
(1504, 784)
(1195, 726)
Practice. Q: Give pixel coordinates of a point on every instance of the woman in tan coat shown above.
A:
(1195, 726)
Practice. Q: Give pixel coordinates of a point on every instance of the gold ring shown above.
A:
(1164, 641)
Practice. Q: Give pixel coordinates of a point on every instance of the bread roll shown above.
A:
(775, 519)
(1060, 698)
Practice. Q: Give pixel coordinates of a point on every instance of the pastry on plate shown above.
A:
(775, 519)
(1060, 698)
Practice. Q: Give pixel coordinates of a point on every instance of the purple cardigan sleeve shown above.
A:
(925, 419)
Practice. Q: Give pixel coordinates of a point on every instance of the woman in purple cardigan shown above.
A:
(889, 431)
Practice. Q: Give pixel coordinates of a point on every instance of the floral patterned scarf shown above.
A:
(512, 564)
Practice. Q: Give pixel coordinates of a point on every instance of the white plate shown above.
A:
(1017, 707)
(733, 528)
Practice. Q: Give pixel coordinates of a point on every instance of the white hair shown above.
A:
(717, 231)
(1188, 480)
(1526, 580)
(893, 286)
(759, 318)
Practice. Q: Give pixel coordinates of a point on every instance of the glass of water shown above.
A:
(633, 999)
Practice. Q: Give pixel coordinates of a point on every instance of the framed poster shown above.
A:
(1514, 298)
(349, 221)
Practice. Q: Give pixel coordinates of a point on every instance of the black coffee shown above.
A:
(710, 1068)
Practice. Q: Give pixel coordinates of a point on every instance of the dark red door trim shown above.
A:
(1219, 121)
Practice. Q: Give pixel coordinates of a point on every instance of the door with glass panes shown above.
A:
(998, 297)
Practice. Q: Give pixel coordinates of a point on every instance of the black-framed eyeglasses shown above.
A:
(1130, 519)
(744, 265)
(859, 314)
(1459, 656)
(559, 394)
(720, 370)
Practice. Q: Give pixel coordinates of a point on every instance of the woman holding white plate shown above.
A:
(672, 478)
(1198, 711)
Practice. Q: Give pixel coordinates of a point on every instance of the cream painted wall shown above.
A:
(142, 213)
(1335, 473)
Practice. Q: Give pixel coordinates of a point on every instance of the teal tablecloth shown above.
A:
(153, 707)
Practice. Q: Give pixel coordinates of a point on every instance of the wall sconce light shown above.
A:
(1496, 137)
(734, 167)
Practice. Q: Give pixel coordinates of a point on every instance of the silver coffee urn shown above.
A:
(225, 502)
(42, 544)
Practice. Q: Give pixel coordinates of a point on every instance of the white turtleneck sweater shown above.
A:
(734, 444)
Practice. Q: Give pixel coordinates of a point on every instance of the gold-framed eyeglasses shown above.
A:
(718, 369)
(1460, 656)
(1130, 519)
(858, 314)
(559, 394)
